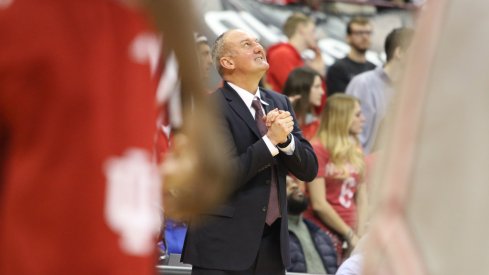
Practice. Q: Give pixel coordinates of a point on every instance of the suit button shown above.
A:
(264, 209)
(267, 182)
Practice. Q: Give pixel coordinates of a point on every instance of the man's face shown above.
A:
(308, 31)
(246, 54)
(296, 200)
(360, 37)
(205, 59)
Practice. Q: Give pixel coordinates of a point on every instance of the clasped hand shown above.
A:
(280, 124)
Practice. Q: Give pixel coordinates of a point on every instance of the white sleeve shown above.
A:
(352, 265)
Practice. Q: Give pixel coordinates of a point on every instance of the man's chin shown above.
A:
(264, 67)
(361, 50)
(265, 64)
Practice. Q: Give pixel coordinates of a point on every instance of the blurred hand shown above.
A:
(195, 173)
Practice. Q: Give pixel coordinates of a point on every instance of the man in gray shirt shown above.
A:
(311, 249)
(375, 88)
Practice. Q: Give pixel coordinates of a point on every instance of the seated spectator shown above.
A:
(311, 250)
(305, 91)
(338, 194)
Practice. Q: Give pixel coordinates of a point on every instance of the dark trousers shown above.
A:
(267, 262)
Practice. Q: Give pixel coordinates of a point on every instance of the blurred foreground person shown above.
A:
(76, 120)
(433, 180)
(247, 234)
(175, 221)
(79, 191)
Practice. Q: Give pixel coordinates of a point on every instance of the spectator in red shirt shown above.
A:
(338, 194)
(286, 56)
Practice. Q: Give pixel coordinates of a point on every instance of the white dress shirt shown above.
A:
(247, 98)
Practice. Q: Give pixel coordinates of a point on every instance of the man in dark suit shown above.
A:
(248, 234)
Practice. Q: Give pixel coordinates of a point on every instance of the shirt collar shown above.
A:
(294, 219)
(246, 96)
(381, 72)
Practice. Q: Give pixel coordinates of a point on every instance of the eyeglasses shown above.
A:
(359, 33)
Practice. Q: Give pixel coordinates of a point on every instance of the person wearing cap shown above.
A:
(203, 56)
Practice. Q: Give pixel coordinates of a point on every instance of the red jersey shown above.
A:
(76, 127)
(309, 130)
(340, 191)
(283, 58)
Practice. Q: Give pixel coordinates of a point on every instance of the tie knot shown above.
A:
(256, 104)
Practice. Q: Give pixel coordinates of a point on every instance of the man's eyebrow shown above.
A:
(250, 39)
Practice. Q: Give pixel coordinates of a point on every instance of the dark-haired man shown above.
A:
(375, 88)
(311, 250)
(359, 34)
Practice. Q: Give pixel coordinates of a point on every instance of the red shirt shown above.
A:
(75, 98)
(309, 130)
(282, 58)
(340, 191)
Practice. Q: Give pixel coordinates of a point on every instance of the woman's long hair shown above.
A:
(334, 135)
(299, 82)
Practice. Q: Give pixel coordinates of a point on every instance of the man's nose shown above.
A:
(259, 48)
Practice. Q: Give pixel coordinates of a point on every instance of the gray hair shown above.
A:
(218, 50)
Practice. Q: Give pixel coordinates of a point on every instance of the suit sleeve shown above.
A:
(248, 164)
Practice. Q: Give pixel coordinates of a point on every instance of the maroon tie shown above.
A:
(273, 211)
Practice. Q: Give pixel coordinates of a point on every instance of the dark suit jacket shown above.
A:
(229, 238)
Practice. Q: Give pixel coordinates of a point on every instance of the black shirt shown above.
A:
(342, 71)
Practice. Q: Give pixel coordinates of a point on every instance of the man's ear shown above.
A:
(227, 63)
(398, 53)
(300, 29)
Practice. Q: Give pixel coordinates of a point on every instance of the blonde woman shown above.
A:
(338, 196)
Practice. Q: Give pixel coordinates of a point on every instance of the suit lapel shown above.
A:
(240, 108)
